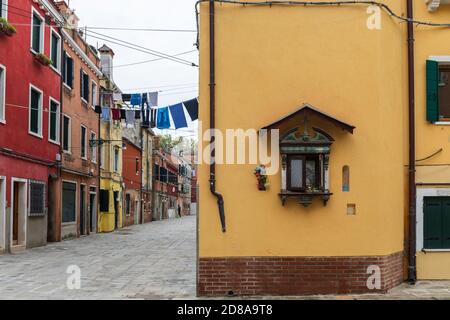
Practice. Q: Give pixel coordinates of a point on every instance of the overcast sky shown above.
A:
(177, 82)
(157, 14)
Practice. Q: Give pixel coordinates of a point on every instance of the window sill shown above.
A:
(67, 87)
(2, 121)
(37, 135)
(435, 250)
(442, 123)
(54, 142)
(55, 69)
(304, 198)
(84, 101)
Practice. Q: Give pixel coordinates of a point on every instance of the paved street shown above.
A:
(151, 261)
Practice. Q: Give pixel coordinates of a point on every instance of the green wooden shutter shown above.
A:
(446, 224)
(432, 223)
(432, 91)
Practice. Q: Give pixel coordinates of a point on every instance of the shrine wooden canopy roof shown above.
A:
(307, 109)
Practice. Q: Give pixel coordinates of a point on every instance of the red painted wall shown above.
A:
(21, 71)
(129, 155)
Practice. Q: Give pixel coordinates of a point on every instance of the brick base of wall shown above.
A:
(295, 275)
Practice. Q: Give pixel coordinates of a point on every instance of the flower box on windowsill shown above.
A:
(43, 59)
(6, 28)
(305, 198)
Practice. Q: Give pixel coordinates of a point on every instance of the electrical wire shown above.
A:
(383, 6)
(147, 61)
(140, 29)
(142, 49)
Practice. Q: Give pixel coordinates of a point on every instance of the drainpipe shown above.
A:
(212, 119)
(412, 148)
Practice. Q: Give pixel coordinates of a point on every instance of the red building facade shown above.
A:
(132, 181)
(30, 108)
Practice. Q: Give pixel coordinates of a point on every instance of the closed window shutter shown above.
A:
(81, 83)
(432, 91)
(433, 223)
(446, 224)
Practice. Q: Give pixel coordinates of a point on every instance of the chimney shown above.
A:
(106, 58)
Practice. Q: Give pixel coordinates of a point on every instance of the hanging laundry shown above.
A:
(137, 114)
(153, 118)
(117, 96)
(129, 117)
(126, 97)
(105, 113)
(163, 121)
(153, 99)
(145, 107)
(192, 108)
(107, 98)
(115, 114)
(122, 114)
(179, 119)
(136, 99)
(98, 109)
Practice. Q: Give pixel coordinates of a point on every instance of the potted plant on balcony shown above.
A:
(6, 28)
(43, 59)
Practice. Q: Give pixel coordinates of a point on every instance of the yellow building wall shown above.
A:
(111, 180)
(431, 137)
(269, 61)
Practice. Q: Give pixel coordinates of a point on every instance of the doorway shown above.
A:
(2, 215)
(82, 209)
(18, 214)
(92, 210)
(116, 209)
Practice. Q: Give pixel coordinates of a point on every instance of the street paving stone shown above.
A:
(152, 261)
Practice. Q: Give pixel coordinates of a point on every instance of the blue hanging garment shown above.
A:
(105, 113)
(179, 119)
(136, 99)
(163, 121)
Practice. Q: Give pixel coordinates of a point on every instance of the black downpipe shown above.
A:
(212, 116)
(412, 148)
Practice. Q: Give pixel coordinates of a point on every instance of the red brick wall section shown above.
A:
(295, 275)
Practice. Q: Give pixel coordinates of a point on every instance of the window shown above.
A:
(102, 156)
(35, 114)
(93, 144)
(83, 142)
(54, 118)
(127, 204)
(2, 93)
(137, 166)
(346, 179)
(116, 159)
(4, 9)
(67, 139)
(55, 50)
(303, 173)
(436, 222)
(84, 86)
(69, 195)
(37, 32)
(68, 71)
(37, 199)
(94, 94)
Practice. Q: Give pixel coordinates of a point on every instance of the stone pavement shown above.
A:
(151, 261)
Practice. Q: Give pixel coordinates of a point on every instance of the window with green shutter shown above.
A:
(36, 33)
(438, 91)
(55, 49)
(35, 112)
(436, 222)
(54, 121)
